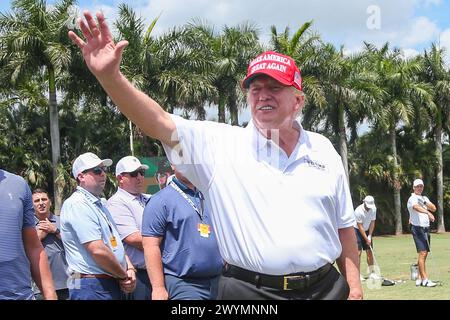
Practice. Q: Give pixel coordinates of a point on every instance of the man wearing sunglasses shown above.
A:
(95, 255)
(164, 174)
(127, 207)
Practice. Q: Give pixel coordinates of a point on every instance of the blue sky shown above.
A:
(409, 24)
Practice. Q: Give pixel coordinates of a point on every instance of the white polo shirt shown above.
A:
(127, 210)
(364, 217)
(272, 213)
(417, 218)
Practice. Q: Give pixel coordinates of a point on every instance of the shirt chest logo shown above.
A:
(316, 164)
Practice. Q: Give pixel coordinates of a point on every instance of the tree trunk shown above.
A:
(343, 140)
(439, 178)
(54, 137)
(397, 186)
(221, 112)
(131, 137)
(232, 106)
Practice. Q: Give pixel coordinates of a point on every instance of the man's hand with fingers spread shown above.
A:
(101, 54)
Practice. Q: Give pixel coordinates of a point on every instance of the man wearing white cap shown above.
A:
(420, 214)
(127, 207)
(365, 216)
(278, 195)
(99, 267)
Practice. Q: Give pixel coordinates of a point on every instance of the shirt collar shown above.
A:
(124, 193)
(182, 186)
(89, 196)
(51, 218)
(128, 196)
(259, 142)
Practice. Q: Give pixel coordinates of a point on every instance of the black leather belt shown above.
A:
(293, 281)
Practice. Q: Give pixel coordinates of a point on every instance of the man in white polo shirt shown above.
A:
(365, 215)
(127, 207)
(420, 214)
(279, 197)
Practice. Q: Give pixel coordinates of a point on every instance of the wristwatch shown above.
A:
(57, 231)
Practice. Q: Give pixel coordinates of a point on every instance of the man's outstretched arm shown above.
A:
(103, 58)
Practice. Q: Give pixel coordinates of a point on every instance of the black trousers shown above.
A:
(332, 287)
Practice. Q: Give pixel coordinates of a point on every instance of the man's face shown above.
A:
(132, 182)
(93, 180)
(273, 105)
(41, 203)
(418, 189)
(162, 178)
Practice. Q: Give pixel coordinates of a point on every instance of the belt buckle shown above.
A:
(287, 278)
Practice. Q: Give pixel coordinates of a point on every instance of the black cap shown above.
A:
(164, 166)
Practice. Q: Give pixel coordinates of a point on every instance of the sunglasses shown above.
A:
(135, 173)
(97, 170)
(161, 175)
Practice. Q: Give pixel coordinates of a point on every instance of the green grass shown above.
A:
(395, 254)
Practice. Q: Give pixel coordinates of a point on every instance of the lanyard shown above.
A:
(142, 200)
(184, 195)
(100, 209)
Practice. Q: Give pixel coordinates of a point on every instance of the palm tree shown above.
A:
(131, 27)
(304, 47)
(230, 53)
(34, 38)
(435, 74)
(336, 88)
(24, 143)
(349, 94)
(396, 78)
(175, 73)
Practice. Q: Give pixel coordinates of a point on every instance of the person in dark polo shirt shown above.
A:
(180, 246)
(47, 226)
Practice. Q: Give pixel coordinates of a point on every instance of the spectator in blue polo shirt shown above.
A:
(22, 256)
(180, 247)
(99, 266)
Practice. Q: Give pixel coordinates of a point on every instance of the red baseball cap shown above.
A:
(278, 66)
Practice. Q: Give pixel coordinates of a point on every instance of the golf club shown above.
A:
(375, 262)
(375, 279)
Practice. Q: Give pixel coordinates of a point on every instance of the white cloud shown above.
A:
(445, 43)
(409, 53)
(343, 22)
(428, 3)
(340, 22)
(421, 30)
(353, 50)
